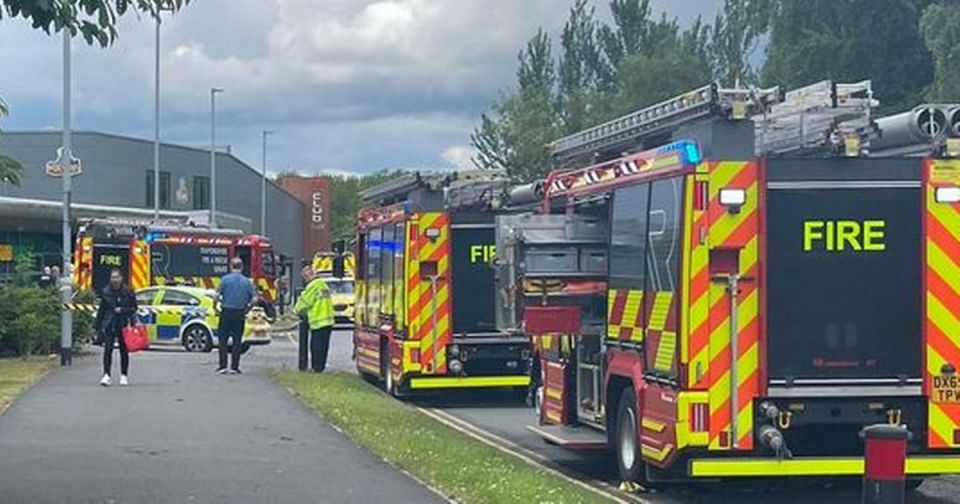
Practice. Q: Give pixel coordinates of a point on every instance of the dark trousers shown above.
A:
(232, 323)
(112, 334)
(304, 344)
(319, 348)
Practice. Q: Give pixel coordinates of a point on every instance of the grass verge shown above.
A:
(461, 467)
(18, 374)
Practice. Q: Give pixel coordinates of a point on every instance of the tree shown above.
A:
(10, 169)
(581, 68)
(515, 135)
(95, 20)
(848, 41)
(940, 27)
(734, 37)
(345, 200)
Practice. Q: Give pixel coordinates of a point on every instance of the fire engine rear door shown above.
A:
(843, 253)
(473, 280)
(105, 259)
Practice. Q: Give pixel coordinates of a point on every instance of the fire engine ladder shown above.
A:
(825, 116)
(663, 117)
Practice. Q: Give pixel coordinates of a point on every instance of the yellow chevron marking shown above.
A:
(665, 351)
(655, 454)
(943, 318)
(653, 425)
(660, 310)
(946, 215)
(941, 423)
(944, 266)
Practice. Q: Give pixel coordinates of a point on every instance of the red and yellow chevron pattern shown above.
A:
(735, 234)
(428, 302)
(139, 265)
(942, 279)
(624, 317)
(83, 263)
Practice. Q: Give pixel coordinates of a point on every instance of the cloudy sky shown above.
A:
(348, 85)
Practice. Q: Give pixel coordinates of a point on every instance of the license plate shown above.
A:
(946, 389)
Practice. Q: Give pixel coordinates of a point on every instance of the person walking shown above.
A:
(237, 295)
(118, 307)
(315, 303)
(45, 280)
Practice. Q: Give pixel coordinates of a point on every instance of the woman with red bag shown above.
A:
(118, 309)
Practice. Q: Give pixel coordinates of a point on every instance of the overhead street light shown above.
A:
(66, 289)
(156, 116)
(213, 155)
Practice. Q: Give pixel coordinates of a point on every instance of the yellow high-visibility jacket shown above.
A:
(315, 304)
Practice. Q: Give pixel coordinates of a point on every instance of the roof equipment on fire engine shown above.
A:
(921, 131)
(823, 116)
(633, 131)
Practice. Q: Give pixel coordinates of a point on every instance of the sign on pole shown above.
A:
(55, 168)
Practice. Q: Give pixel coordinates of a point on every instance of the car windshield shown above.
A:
(340, 286)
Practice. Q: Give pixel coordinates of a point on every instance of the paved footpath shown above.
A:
(181, 433)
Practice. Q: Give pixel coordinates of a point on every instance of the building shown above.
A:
(314, 193)
(117, 181)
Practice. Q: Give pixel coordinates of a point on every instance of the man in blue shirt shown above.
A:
(236, 295)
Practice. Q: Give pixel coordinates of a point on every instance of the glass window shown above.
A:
(386, 258)
(340, 286)
(146, 297)
(201, 192)
(663, 253)
(374, 248)
(398, 274)
(267, 263)
(628, 237)
(663, 273)
(177, 298)
(164, 189)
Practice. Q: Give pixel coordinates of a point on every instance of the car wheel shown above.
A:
(629, 459)
(197, 338)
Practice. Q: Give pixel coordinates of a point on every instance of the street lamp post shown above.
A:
(66, 287)
(213, 155)
(156, 123)
(263, 186)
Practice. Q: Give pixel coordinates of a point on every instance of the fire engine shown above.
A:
(425, 286)
(733, 284)
(169, 253)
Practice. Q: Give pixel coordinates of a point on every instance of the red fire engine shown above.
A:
(754, 313)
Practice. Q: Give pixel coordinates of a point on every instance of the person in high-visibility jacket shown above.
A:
(315, 304)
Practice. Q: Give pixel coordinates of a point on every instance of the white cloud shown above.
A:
(356, 85)
(460, 156)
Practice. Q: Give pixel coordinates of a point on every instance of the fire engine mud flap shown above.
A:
(571, 437)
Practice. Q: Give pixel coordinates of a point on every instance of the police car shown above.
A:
(187, 316)
(342, 296)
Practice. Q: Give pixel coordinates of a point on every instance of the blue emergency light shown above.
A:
(689, 151)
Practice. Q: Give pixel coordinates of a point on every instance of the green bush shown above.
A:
(30, 321)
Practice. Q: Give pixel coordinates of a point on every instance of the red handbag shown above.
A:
(135, 338)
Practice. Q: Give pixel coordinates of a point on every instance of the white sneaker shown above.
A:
(123, 381)
(105, 381)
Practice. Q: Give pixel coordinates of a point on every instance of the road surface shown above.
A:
(502, 415)
(181, 433)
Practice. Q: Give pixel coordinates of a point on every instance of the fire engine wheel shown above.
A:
(197, 338)
(629, 460)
